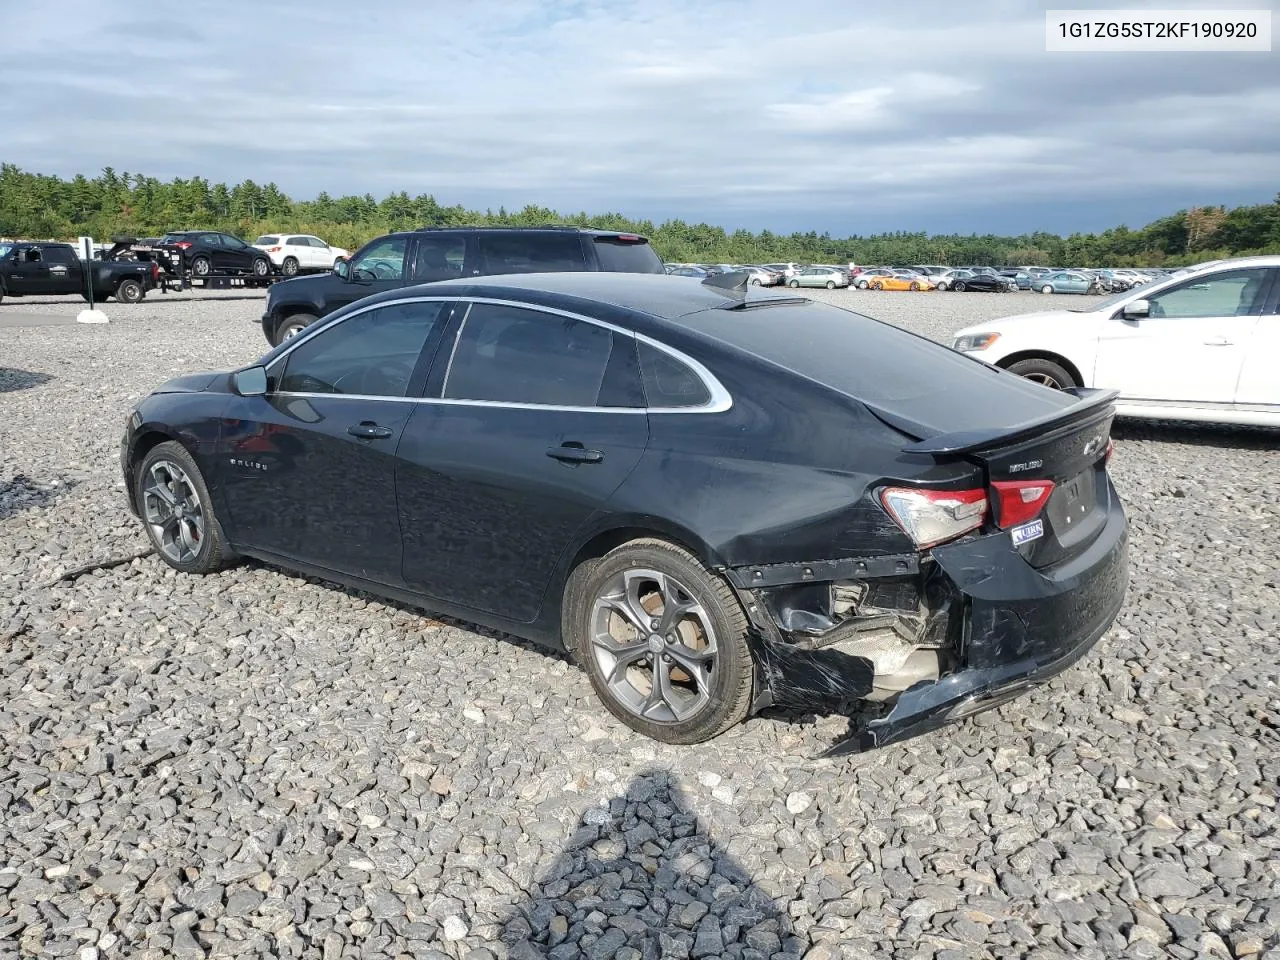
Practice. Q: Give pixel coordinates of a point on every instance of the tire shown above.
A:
(877, 285)
(165, 484)
(1046, 289)
(130, 291)
(862, 285)
(1047, 373)
(831, 284)
(958, 286)
(793, 284)
(290, 267)
(261, 267)
(200, 267)
(914, 285)
(721, 699)
(293, 325)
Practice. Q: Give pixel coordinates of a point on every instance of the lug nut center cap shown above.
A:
(656, 644)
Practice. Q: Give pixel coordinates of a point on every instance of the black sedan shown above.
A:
(985, 283)
(206, 253)
(715, 501)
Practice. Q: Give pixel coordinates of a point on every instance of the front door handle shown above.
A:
(368, 430)
(574, 453)
(1218, 342)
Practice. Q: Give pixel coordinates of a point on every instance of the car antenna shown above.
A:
(733, 284)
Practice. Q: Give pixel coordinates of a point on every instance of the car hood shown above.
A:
(192, 382)
(1025, 321)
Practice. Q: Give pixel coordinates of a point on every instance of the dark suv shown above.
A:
(447, 253)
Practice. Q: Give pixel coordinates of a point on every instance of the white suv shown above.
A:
(1201, 346)
(295, 253)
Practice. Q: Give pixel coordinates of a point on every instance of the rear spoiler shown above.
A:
(1092, 402)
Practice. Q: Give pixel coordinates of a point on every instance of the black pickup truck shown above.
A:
(444, 253)
(50, 269)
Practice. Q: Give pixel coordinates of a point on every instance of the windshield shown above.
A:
(5, 248)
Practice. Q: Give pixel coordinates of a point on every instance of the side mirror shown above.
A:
(342, 269)
(1136, 308)
(250, 382)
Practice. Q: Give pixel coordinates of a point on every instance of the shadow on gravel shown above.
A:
(642, 873)
(12, 380)
(1198, 434)
(23, 493)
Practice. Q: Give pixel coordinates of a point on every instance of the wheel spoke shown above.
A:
(623, 657)
(623, 608)
(696, 663)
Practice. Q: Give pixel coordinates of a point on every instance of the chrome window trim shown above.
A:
(720, 399)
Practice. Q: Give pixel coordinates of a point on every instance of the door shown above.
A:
(27, 273)
(1260, 373)
(1191, 345)
(313, 254)
(308, 471)
(65, 275)
(378, 266)
(239, 255)
(541, 420)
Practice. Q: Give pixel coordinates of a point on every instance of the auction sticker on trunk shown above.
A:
(1027, 532)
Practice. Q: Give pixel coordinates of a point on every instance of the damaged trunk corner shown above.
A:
(829, 644)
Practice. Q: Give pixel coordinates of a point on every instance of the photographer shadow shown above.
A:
(642, 878)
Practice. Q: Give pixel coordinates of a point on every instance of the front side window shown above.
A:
(234, 243)
(515, 355)
(532, 253)
(370, 354)
(381, 260)
(1232, 294)
(439, 258)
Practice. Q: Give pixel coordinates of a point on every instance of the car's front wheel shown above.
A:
(1047, 373)
(261, 267)
(663, 640)
(1046, 289)
(793, 284)
(292, 326)
(959, 286)
(178, 512)
(290, 267)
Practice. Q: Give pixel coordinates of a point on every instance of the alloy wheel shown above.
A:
(654, 645)
(173, 511)
(1045, 380)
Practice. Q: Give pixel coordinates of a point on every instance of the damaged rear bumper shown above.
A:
(1007, 626)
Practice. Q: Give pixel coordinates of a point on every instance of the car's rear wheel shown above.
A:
(877, 285)
(959, 286)
(290, 267)
(293, 325)
(200, 266)
(914, 285)
(261, 267)
(1046, 289)
(178, 512)
(1044, 372)
(831, 284)
(130, 291)
(663, 640)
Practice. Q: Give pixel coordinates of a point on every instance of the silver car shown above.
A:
(828, 277)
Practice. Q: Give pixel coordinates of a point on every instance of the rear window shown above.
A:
(532, 253)
(627, 256)
(881, 365)
(266, 241)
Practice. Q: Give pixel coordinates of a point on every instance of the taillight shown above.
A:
(155, 270)
(183, 244)
(273, 249)
(1018, 501)
(930, 517)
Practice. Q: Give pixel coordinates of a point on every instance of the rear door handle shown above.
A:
(1218, 342)
(574, 454)
(368, 430)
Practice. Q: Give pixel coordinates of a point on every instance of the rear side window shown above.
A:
(371, 354)
(617, 255)
(668, 382)
(514, 355)
(59, 255)
(439, 257)
(532, 253)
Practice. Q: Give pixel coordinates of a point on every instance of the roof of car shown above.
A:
(544, 228)
(656, 294)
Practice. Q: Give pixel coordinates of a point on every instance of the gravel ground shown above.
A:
(253, 764)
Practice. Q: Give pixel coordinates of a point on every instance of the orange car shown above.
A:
(896, 281)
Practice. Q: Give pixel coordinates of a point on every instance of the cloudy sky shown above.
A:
(791, 116)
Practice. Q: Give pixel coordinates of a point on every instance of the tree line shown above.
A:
(115, 204)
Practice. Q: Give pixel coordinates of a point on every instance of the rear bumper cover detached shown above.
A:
(1019, 626)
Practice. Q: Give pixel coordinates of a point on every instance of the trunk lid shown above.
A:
(1068, 448)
